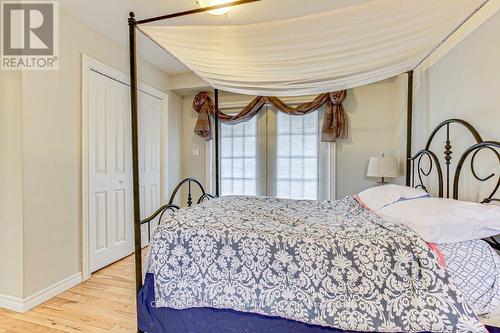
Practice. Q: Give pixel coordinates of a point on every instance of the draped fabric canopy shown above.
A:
(318, 53)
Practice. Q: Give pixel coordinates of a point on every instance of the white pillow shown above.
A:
(445, 220)
(379, 197)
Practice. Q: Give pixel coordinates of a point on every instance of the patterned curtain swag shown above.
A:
(335, 123)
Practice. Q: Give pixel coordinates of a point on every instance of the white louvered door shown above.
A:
(110, 181)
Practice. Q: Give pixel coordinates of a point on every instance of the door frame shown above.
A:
(90, 64)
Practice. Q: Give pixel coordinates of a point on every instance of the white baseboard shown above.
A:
(23, 305)
(11, 303)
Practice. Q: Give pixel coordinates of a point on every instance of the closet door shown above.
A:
(110, 197)
(110, 176)
(149, 158)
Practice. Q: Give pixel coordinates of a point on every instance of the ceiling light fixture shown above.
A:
(220, 11)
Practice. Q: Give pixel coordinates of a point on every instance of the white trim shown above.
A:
(333, 170)
(265, 163)
(209, 167)
(326, 161)
(164, 116)
(52, 291)
(11, 303)
(86, 65)
(26, 304)
(91, 64)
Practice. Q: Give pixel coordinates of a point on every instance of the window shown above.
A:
(239, 158)
(297, 143)
(277, 155)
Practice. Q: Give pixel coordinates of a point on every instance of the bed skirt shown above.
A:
(210, 320)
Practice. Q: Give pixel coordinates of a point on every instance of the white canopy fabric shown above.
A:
(318, 53)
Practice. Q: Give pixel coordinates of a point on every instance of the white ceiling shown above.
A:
(110, 18)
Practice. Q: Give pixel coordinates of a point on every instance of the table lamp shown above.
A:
(382, 167)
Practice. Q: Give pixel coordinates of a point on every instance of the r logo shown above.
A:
(28, 29)
(29, 32)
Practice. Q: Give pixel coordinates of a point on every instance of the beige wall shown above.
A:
(49, 128)
(174, 167)
(465, 84)
(11, 159)
(375, 112)
(192, 166)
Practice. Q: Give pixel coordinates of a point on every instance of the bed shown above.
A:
(259, 264)
(255, 264)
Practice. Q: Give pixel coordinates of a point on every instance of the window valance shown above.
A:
(335, 123)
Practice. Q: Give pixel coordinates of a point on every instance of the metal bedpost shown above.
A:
(132, 23)
(409, 125)
(217, 176)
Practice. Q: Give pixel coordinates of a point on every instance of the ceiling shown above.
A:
(110, 18)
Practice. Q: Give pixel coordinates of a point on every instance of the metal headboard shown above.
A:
(447, 188)
(170, 206)
(444, 176)
(474, 149)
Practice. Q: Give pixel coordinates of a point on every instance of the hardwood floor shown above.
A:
(104, 303)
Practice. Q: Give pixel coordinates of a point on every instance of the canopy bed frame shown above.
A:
(190, 182)
(133, 24)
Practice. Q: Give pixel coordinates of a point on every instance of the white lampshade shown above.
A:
(383, 166)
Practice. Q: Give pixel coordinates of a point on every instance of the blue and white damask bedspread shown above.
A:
(327, 263)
